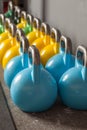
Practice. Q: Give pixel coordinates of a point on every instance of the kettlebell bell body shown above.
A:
(52, 48)
(23, 22)
(58, 64)
(44, 38)
(18, 63)
(14, 50)
(73, 83)
(38, 89)
(8, 43)
(32, 36)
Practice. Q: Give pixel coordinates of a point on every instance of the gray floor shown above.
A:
(6, 122)
(59, 117)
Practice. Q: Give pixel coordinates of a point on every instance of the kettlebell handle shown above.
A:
(2, 19)
(7, 23)
(19, 33)
(10, 5)
(23, 15)
(15, 8)
(12, 29)
(36, 23)
(24, 44)
(65, 42)
(29, 19)
(83, 54)
(34, 54)
(45, 28)
(55, 34)
(17, 12)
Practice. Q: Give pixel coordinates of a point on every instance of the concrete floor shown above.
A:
(59, 117)
(6, 121)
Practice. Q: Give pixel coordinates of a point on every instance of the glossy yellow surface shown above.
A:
(12, 52)
(5, 35)
(48, 51)
(41, 42)
(22, 24)
(32, 36)
(5, 45)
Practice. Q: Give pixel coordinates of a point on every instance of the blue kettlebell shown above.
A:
(73, 83)
(63, 61)
(34, 89)
(17, 63)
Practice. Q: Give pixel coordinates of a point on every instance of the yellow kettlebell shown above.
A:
(13, 51)
(36, 31)
(6, 33)
(44, 38)
(28, 28)
(23, 22)
(8, 43)
(51, 49)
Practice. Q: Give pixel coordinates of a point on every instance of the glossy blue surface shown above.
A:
(59, 64)
(34, 89)
(14, 66)
(73, 87)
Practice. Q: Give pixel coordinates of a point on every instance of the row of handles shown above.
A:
(42, 80)
(35, 22)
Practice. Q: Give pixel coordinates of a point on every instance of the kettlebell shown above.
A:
(60, 63)
(44, 38)
(36, 31)
(17, 16)
(13, 51)
(28, 28)
(52, 48)
(38, 89)
(73, 83)
(18, 63)
(5, 34)
(9, 13)
(8, 43)
(1, 23)
(22, 24)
